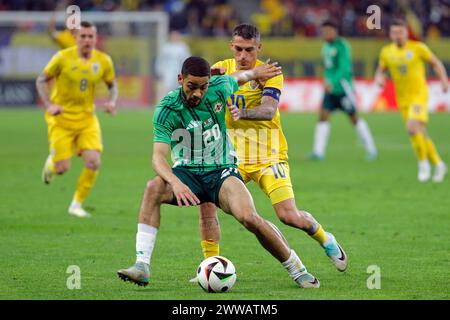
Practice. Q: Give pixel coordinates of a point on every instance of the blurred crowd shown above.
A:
(427, 18)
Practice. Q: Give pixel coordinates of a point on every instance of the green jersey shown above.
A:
(338, 65)
(197, 135)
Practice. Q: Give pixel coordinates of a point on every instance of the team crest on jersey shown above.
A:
(253, 84)
(333, 52)
(218, 107)
(95, 67)
(409, 54)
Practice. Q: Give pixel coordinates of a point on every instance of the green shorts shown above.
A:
(205, 185)
(332, 102)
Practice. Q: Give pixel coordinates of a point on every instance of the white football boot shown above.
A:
(335, 252)
(79, 212)
(307, 280)
(424, 173)
(138, 274)
(47, 175)
(439, 172)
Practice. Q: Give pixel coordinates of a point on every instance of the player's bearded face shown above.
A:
(86, 39)
(245, 52)
(194, 88)
(398, 34)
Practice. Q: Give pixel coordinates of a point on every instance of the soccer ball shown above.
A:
(216, 274)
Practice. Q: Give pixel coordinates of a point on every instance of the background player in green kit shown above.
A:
(190, 123)
(339, 92)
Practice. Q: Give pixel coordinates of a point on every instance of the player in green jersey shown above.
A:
(339, 92)
(190, 123)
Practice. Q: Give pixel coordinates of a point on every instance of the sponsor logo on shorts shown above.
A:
(226, 172)
(416, 108)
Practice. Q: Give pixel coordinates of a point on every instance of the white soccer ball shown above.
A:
(216, 274)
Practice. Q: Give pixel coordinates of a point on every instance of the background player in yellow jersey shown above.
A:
(70, 110)
(254, 126)
(64, 39)
(405, 60)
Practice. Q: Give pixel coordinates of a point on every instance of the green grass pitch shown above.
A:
(378, 211)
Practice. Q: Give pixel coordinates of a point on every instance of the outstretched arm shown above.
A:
(440, 71)
(51, 27)
(262, 73)
(182, 192)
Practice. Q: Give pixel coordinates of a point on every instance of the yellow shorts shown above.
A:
(66, 136)
(415, 111)
(273, 179)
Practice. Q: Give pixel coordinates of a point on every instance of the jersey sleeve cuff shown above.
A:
(161, 140)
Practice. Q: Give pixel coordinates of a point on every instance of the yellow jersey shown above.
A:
(407, 68)
(75, 81)
(256, 142)
(64, 39)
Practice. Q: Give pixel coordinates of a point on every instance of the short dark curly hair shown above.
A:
(196, 66)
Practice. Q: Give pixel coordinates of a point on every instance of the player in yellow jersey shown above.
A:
(70, 110)
(253, 123)
(64, 39)
(405, 60)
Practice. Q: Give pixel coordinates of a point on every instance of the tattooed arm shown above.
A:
(110, 105)
(43, 90)
(265, 111)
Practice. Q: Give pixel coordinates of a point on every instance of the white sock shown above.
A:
(366, 137)
(425, 164)
(321, 138)
(75, 204)
(145, 242)
(294, 266)
(440, 164)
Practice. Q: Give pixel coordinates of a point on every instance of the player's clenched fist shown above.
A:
(110, 107)
(235, 112)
